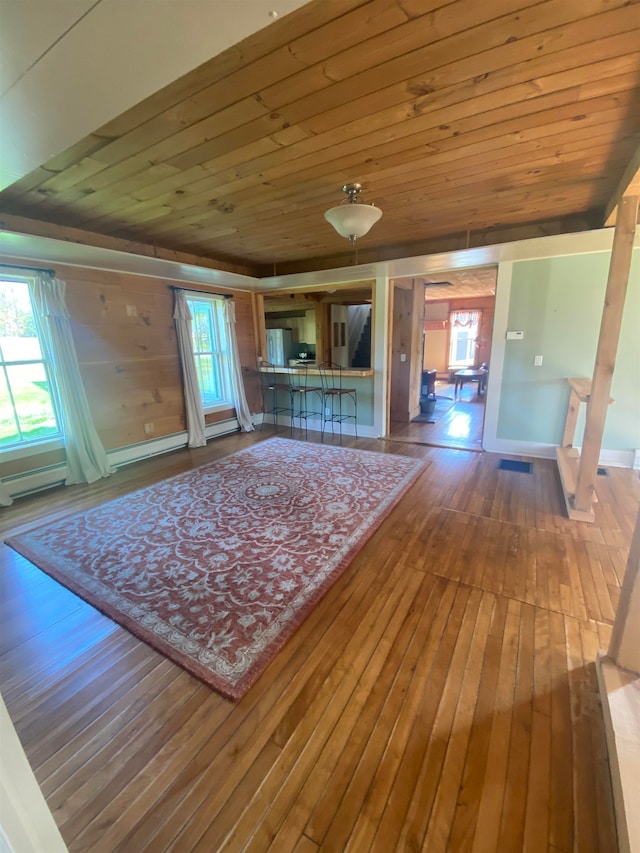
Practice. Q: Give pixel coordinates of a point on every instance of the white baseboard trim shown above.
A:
(21, 485)
(617, 458)
(520, 448)
(35, 481)
(611, 458)
(156, 446)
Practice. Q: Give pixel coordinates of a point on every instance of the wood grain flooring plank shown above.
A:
(331, 774)
(73, 791)
(67, 644)
(375, 716)
(237, 743)
(469, 795)
(93, 697)
(583, 703)
(40, 704)
(417, 714)
(81, 748)
(393, 817)
(491, 801)
(406, 711)
(320, 773)
(305, 845)
(225, 761)
(591, 641)
(74, 825)
(331, 828)
(512, 821)
(430, 829)
(561, 828)
(536, 824)
(156, 775)
(607, 611)
(302, 749)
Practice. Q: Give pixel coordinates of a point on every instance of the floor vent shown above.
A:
(515, 465)
(602, 472)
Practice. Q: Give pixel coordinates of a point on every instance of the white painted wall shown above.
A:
(26, 825)
(69, 66)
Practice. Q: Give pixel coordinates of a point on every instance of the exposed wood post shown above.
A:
(259, 324)
(323, 332)
(572, 419)
(624, 647)
(607, 348)
(415, 352)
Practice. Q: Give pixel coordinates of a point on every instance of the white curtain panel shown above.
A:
(86, 457)
(237, 385)
(192, 398)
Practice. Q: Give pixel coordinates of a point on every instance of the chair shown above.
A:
(272, 392)
(482, 382)
(333, 395)
(300, 391)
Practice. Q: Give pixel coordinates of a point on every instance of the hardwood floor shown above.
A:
(460, 426)
(442, 696)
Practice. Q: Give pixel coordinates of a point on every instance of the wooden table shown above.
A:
(469, 375)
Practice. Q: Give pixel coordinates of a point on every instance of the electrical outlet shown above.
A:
(327, 412)
(132, 311)
(149, 429)
(403, 356)
(537, 361)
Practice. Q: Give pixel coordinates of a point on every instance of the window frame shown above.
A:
(31, 447)
(472, 343)
(221, 355)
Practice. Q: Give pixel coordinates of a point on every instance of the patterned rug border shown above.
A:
(161, 645)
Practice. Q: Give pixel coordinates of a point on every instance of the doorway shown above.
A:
(456, 328)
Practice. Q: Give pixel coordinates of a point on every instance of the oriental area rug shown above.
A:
(216, 567)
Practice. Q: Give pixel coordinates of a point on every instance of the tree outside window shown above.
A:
(29, 410)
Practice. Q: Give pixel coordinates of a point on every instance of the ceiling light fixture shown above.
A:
(353, 220)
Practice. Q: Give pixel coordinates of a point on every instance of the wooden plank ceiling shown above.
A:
(467, 123)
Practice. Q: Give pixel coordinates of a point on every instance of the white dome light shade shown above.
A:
(353, 220)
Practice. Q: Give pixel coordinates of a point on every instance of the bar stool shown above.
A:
(300, 391)
(272, 392)
(333, 395)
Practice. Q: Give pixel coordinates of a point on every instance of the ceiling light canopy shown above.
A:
(353, 220)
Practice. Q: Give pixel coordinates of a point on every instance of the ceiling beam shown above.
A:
(629, 185)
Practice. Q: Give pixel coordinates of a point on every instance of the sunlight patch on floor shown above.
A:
(459, 426)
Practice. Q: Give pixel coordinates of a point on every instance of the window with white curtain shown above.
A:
(29, 407)
(464, 326)
(211, 351)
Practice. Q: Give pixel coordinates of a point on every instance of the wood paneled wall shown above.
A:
(406, 343)
(125, 338)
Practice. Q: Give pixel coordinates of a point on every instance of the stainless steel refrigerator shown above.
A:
(278, 346)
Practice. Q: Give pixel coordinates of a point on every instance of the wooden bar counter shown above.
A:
(353, 372)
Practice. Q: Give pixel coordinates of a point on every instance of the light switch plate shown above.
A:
(537, 361)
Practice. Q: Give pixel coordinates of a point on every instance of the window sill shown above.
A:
(27, 450)
(221, 407)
